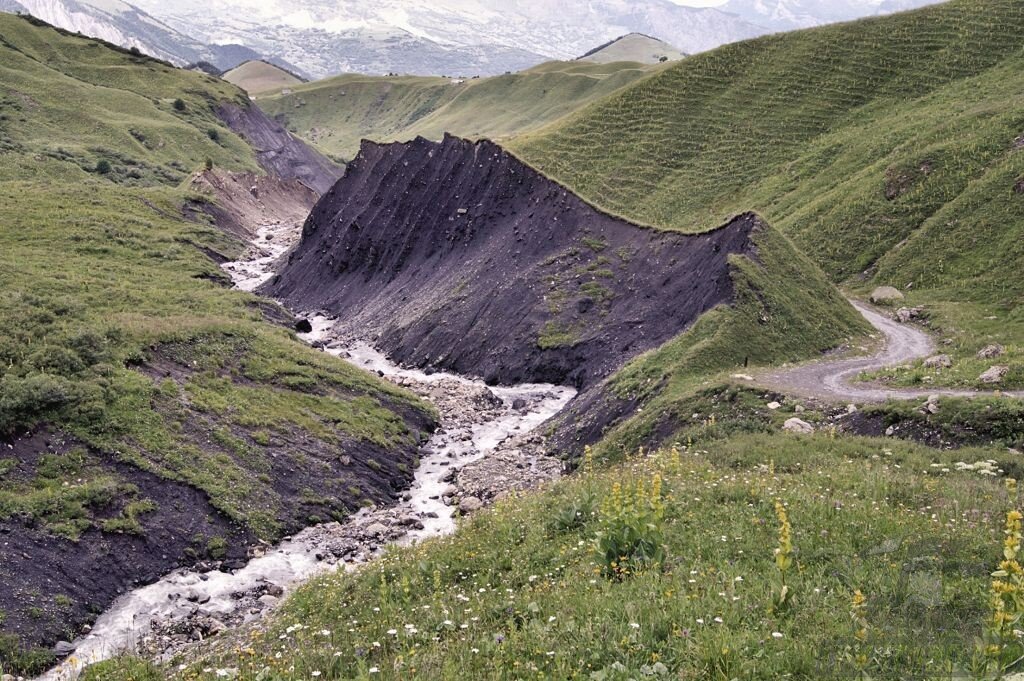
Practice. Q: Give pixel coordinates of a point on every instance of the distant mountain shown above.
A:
(635, 47)
(128, 26)
(441, 37)
(786, 15)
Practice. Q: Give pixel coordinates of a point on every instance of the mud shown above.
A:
(456, 256)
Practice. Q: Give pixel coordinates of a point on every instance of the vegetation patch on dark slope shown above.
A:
(120, 338)
(454, 255)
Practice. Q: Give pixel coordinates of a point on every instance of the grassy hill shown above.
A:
(131, 376)
(634, 47)
(257, 77)
(887, 149)
(336, 113)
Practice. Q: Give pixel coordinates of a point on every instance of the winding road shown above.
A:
(832, 379)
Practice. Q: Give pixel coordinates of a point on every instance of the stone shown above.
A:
(994, 374)
(799, 409)
(743, 377)
(519, 403)
(905, 315)
(268, 600)
(991, 351)
(64, 648)
(939, 362)
(890, 431)
(304, 326)
(774, 405)
(377, 530)
(886, 294)
(469, 505)
(274, 589)
(795, 425)
(851, 409)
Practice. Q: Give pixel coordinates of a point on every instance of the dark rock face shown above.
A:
(277, 151)
(455, 255)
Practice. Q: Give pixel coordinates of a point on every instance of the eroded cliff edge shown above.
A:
(455, 255)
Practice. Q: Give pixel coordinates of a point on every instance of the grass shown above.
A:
(887, 148)
(336, 113)
(519, 592)
(102, 278)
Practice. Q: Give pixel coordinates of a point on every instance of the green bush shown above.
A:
(179, 104)
(103, 166)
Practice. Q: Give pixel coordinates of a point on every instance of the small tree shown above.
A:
(209, 164)
(179, 104)
(103, 166)
(213, 134)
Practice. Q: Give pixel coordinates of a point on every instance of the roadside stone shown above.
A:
(795, 425)
(991, 351)
(886, 294)
(905, 315)
(994, 374)
(939, 362)
(469, 505)
(64, 648)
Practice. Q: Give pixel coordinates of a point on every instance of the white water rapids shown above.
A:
(295, 559)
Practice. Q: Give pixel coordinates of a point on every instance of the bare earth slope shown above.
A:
(457, 256)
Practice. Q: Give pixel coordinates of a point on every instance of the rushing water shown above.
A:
(295, 560)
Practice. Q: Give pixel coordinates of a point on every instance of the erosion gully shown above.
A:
(478, 423)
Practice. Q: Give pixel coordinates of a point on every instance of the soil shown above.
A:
(279, 153)
(36, 567)
(456, 256)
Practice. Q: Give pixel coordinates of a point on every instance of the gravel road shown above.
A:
(833, 379)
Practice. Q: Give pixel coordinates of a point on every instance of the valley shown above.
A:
(564, 373)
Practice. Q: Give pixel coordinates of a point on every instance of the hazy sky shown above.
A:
(699, 3)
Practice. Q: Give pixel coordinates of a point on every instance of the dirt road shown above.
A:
(834, 379)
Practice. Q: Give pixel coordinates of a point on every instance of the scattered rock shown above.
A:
(886, 294)
(519, 403)
(377, 530)
(795, 425)
(268, 600)
(991, 351)
(743, 377)
(774, 405)
(939, 362)
(274, 589)
(304, 326)
(851, 409)
(64, 648)
(799, 409)
(469, 505)
(890, 431)
(905, 315)
(994, 374)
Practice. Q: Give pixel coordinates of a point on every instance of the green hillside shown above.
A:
(336, 113)
(887, 149)
(120, 337)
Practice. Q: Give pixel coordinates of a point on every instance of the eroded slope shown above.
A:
(457, 256)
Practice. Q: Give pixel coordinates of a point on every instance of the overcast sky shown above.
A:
(699, 3)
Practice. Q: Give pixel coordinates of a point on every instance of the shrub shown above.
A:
(22, 400)
(179, 104)
(103, 166)
(213, 134)
(217, 548)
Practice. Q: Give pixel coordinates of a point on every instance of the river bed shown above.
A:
(171, 614)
